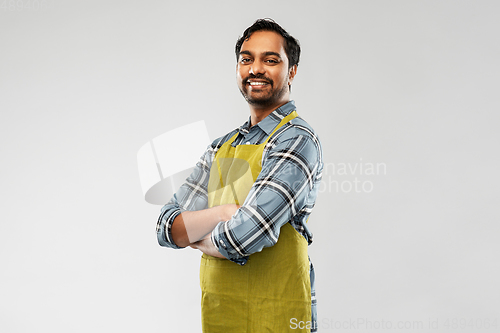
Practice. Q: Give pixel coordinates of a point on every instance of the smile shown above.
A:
(258, 83)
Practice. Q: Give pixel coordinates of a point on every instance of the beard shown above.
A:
(262, 98)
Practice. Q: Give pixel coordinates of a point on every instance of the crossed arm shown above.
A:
(193, 228)
(286, 188)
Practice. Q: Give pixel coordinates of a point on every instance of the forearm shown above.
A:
(192, 226)
(189, 227)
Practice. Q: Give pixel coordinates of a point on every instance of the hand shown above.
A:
(205, 245)
(198, 245)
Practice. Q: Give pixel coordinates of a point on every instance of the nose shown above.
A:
(257, 68)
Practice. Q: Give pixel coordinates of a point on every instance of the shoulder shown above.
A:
(217, 143)
(208, 156)
(296, 128)
(296, 140)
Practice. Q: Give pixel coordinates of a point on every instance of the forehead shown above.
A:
(264, 41)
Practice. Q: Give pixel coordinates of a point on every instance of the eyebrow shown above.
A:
(265, 54)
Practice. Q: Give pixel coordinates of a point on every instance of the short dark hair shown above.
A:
(292, 47)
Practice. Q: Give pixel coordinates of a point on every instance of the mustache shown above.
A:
(258, 77)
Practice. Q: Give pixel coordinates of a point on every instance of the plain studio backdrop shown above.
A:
(403, 94)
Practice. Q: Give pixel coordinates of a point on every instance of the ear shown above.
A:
(291, 74)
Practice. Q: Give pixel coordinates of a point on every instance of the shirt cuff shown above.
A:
(221, 243)
(166, 230)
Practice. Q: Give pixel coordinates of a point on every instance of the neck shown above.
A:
(258, 113)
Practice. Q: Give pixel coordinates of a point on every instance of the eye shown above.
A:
(271, 61)
(245, 60)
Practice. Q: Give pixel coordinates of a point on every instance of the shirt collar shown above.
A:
(272, 120)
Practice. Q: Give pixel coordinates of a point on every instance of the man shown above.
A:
(246, 204)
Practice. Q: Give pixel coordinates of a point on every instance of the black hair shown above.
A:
(291, 45)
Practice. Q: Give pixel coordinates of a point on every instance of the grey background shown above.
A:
(412, 85)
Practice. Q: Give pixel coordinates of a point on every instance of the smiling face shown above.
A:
(262, 72)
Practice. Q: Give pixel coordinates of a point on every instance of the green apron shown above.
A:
(272, 291)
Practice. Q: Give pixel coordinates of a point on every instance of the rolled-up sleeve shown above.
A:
(192, 195)
(289, 177)
(164, 226)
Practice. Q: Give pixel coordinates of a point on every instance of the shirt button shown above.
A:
(248, 142)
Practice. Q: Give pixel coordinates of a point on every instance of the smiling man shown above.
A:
(264, 76)
(247, 202)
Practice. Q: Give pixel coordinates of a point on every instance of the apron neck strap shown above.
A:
(283, 121)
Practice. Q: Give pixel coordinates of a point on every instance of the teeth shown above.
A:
(257, 83)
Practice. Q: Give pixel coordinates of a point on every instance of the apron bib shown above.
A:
(273, 287)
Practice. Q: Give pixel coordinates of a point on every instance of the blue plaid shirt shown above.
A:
(285, 189)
